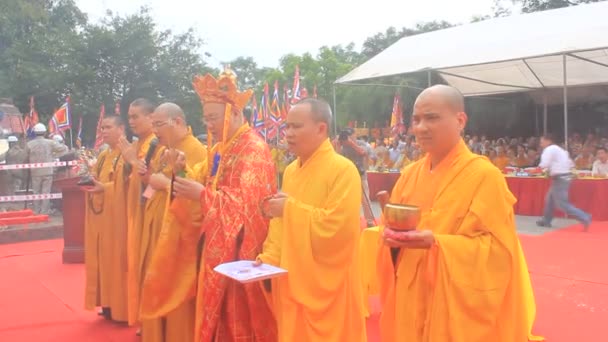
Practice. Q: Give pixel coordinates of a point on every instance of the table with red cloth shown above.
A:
(590, 195)
(381, 181)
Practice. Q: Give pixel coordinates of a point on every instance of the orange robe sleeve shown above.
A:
(234, 229)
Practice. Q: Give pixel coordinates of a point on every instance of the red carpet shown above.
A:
(41, 299)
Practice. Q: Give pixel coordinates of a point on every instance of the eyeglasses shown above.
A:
(159, 124)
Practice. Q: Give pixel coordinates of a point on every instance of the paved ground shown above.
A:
(525, 224)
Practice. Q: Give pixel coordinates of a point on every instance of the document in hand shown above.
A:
(244, 271)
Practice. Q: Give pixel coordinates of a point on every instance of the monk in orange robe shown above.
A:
(106, 228)
(137, 155)
(315, 236)
(165, 317)
(461, 274)
(241, 173)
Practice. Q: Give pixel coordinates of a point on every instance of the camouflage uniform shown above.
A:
(43, 150)
(13, 178)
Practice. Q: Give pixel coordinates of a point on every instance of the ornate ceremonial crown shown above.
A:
(221, 90)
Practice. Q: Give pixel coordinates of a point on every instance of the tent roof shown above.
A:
(515, 53)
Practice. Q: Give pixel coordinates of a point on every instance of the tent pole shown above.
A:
(335, 112)
(536, 120)
(545, 112)
(565, 102)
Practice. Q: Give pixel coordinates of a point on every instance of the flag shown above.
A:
(304, 93)
(53, 129)
(62, 116)
(31, 119)
(117, 108)
(295, 92)
(314, 92)
(257, 121)
(79, 137)
(275, 119)
(98, 137)
(397, 126)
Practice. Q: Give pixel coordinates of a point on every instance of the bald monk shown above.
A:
(314, 234)
(164, 321)
(137, 154)
(461, 275)
(106, 228)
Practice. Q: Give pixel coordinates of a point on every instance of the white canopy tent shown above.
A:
(542, 50)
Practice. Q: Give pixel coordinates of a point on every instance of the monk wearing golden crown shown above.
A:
(240, 174)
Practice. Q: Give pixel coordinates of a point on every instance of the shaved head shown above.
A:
(172, 110)
(117, 120)
(451, 96)
(439, 120)
(319, 110)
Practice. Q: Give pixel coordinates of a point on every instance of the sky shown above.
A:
(269, 29)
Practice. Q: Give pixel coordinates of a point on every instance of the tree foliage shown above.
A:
(49, 49)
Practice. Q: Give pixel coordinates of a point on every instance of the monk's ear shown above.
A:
(462, 120)
(322, 127)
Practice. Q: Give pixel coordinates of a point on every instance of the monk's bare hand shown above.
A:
(158, 181)
(187, 188)
(275, 205)
(95, 189)
(414, 239)
(175, 159)
(127, 150)
(257, 262)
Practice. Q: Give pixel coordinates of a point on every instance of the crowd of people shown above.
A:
(588, 153)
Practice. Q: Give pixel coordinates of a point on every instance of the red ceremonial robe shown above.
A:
(233, 228)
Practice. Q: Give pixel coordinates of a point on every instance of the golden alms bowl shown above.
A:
(401, 216)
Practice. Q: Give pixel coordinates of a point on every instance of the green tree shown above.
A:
(528, 6)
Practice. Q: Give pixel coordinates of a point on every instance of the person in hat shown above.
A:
(239, 175)
(43, 150)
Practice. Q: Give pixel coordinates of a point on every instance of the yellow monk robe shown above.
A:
(135, 206)
(320, 299)
(473, 284)
(105, 238)
(169, 287)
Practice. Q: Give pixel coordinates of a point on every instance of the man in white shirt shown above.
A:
(557, 161)
(600, 166)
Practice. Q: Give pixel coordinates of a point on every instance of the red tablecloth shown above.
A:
(379, 181)
(590, 195)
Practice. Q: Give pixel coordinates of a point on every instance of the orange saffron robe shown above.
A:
(316, 240)
(169, 283)
(135, 207)
(234, 228)
(105, 239)
(473, 284)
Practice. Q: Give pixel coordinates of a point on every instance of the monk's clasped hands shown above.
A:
(415, 239)
(273, 206)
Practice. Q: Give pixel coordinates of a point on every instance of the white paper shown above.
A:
(244, 271)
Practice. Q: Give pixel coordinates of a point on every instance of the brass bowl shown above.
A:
(401, 216)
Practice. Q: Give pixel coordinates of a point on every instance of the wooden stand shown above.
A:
(73, 208)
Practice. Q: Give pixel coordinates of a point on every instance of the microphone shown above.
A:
(151, 150)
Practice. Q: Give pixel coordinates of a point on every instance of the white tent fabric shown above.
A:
(516, 53)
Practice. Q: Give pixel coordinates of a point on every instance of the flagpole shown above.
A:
(71, 140)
